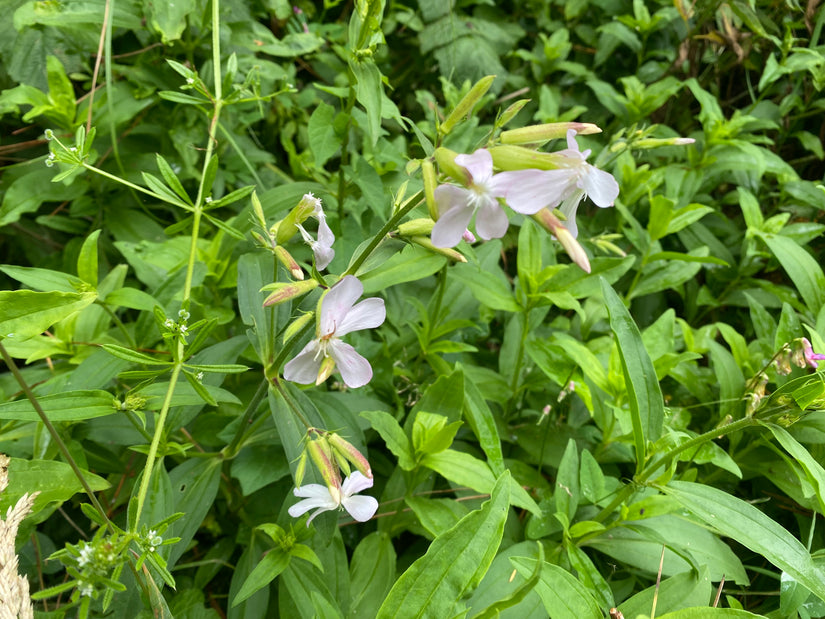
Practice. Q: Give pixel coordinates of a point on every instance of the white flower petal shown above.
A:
(568, 208)
(323, 256)
(448, 197)
(304, 367)
(368, 314)
(355, 370)
(355, 483)
(362, 508)
(529, 191)
(600, 186)
(491, 221)
(338, 302)
(325, 235)
(479, 165)
(451, 225)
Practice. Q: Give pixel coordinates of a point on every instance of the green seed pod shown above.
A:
(466, 105)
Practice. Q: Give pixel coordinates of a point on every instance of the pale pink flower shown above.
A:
(339, 315)
(319, 498)
(529, 191)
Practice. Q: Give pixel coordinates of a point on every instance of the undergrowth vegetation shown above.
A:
(412, 308)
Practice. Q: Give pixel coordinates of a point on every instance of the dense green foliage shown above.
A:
(547, 436)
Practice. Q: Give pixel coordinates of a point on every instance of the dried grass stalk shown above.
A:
(14, 589)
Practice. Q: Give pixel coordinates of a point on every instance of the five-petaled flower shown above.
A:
(362, 508)
(339, 315)
(531, 190)
(456, 205)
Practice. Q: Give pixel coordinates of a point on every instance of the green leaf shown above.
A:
(486, 287)
(562, 594)
(323, 140)
(750, 527)
(643, 391)
(87, 260)
(801, 267)
(273, 563)
(483, 424)
(24, 314)
(454, 564)
(466, 470)
(566, 492)
(171, 178)
(372, 574)
(409, 265)
(55, 481)
(393, 435)
(130, 355)
(813, 469)
(705, 612)
(169, 18)
(131, 298)
(66, 406)
(675, 593)
(162, 191)
(369, 91)
(43, 280)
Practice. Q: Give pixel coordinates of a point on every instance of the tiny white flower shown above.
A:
(362, 508)
(199, 376)
(183, 314)
(169, 323)
(208, 199)
(190, 80)
(86, 589)
(183, 329)
(85, 555)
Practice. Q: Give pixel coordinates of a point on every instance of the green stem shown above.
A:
(190, 268)
(230, 451)
(53, 433)
(122, 181)
(388, 227)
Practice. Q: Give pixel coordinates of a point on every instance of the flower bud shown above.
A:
(301, 469)
(510, 157)
(297, 325)
(320, 453)
(648, 143)
(548, 131)
(286, 259)
(257, 208)
(428, 170)
(426, 243)
(285, 291)
(547, 220)
(446, 163)
(298, 215)
(416, 227)
(467, 103)
(348, 451)
(326, 369)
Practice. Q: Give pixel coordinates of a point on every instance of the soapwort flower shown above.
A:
(319, 498)
(456, 205)
(338, 316)
(528, 191)
(322, 248)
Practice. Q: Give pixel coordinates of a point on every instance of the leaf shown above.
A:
(801, 267)
(454, 564)
(66, 406)
(369, 91)
(675, 593)
(562, 594)
(813, 469)
(409, 265)
(566, 492)
(643, 391)
(486, 287)
(372, 574)
(169, 18)
(24, 314)
(705, 612)
(131, 355)
(274, 562)
(171, 178)
(750, 527)
(323, 141)
(483, 424)
(87, 260)
(466, 470)
(131, 298)
(393, 435)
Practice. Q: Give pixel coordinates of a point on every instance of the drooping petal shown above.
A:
(529, 191)
(355, 370)
(323, 255)
(368, 314)
(338, 302)
(451, 225)
(600, 186)
(325, 235)
(355, 483)
(479, 165)
(304, 367)
(568, 209)
(362, 508)
(491, 221)
(318, 496)
(447, 197)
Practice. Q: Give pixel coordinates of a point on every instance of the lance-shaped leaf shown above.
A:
(24, 313)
